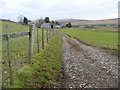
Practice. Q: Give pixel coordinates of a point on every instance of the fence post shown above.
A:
(42, 38)
(38, 45)
(9, 56)
(47, 34)
(31, 42)
(51, 33)
(56, 32)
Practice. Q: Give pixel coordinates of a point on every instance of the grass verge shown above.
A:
(73, 43)
(46, 70)
(19, 48)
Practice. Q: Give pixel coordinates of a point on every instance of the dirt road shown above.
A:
(89, 67)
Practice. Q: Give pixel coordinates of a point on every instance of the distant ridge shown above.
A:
(84, 21)
(71, 20)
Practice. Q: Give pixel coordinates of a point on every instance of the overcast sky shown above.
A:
(59, 9)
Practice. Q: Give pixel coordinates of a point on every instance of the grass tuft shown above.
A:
(73, 43)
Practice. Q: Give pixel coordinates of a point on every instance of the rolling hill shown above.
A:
(89, 22)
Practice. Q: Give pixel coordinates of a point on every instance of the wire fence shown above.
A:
(18, 49)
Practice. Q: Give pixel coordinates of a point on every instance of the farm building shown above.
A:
(49, 26)
(46, 25)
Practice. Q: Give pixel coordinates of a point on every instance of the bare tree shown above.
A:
(39, 22)
(20, 19)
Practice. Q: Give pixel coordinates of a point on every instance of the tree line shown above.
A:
(25, 21)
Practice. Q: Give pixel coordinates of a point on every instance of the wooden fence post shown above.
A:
(42, 38)
(38, 45)
(31, 42)
(53, 32)
(47, 34)
(50, 33)
(56, 32)
(9, 56)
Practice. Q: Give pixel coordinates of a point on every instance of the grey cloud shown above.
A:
(57, 9)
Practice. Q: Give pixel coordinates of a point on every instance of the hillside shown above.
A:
(83, 21)
(72, 20)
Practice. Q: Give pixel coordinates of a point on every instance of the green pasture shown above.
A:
(14, 27)
(94, 37)
(80, 23)
(19, 48)
(46, 70)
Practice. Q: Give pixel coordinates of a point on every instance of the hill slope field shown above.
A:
(89, 22)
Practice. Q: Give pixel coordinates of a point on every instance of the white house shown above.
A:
(46, 25)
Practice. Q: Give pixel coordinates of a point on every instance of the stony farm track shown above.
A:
(89, 67)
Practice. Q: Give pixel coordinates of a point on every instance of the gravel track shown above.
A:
(89, 67)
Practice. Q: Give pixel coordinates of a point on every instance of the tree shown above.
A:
(39, 22)
(20, 18)
(47, 20)
(25, 21)
(52, 22)
(57, 23)
(69, 25)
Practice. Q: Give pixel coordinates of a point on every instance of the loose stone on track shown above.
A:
(89, 67)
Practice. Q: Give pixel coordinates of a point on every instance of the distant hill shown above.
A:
(89, 22)
(7, 20)
(71, 20)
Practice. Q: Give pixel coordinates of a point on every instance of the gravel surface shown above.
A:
(89, 67)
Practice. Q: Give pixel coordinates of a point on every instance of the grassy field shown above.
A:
(19, 48)
(98, 22)
(14, 27)
(46, 70)
(78, 23)
(94, 37)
